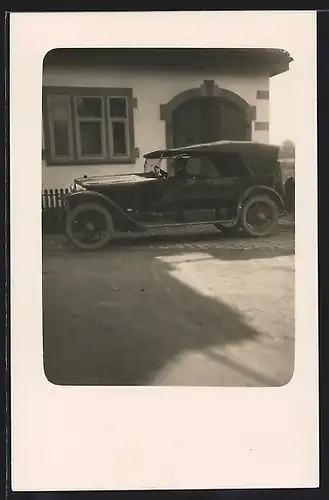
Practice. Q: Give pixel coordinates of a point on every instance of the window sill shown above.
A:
(128, 161)
(93, 162)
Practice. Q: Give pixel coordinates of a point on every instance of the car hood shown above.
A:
(112, 179)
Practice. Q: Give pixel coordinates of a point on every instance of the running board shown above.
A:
(179, 224)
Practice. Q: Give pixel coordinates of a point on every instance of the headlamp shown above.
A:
(74, 188)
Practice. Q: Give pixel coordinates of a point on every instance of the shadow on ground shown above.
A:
(111, 319)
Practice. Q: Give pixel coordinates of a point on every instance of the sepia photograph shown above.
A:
(163, 263)
(168, 217)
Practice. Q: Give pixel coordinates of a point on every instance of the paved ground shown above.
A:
(185, 308)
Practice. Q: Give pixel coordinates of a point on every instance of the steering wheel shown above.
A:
(161, 174)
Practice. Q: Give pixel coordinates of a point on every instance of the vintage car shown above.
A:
(232, 185)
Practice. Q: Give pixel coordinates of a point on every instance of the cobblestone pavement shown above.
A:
(188, 237)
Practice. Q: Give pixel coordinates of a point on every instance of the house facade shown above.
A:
(103, 109)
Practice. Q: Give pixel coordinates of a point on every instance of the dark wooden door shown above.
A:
(232, 122)
(187, 121)
(207, 119)
(210, 119)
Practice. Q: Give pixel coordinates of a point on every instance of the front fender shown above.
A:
(255, 190)
(74, 199)
(80, 197)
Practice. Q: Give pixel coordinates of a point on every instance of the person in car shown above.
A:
(180, 168)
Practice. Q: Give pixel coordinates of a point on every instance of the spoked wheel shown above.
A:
(259, 216)
(89, 226)
(228, 228)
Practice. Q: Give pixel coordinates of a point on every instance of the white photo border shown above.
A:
(123, 438)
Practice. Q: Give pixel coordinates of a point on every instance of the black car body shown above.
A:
(233, 185)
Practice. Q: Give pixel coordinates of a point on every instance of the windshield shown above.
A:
(168, 164)
(151, 163)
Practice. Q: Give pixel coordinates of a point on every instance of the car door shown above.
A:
(213, 181)
(199, 189)
(167, 195)
(196, 189)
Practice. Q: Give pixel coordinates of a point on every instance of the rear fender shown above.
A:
(120, 219)
(257, 190)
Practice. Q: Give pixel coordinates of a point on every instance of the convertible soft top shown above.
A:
(217, 147)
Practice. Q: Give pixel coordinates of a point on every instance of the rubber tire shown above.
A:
(271, 228)
(90, 207)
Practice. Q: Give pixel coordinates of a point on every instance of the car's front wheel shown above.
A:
(89, 226)
(259, 216)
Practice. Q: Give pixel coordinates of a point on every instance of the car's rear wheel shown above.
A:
(89, 226)
(259, 216)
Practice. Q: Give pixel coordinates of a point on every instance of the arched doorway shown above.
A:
(207, 119)
(206, 114)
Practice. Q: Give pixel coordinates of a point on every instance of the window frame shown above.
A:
(106, 94)
(111, 120)
(52, 153)
(78, 120)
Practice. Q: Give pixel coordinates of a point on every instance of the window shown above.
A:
(201, 167)
(193, 167)
(230, 165)
(60, 127)
(88, 125)
(119, 131)
(208, 169)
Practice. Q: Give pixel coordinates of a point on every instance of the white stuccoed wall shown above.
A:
(151, 88)
(263, 112)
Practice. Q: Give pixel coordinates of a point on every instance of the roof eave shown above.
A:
(280, 68)
(271, 61)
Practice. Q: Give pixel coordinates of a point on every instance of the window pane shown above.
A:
(61, 138)
(91, 138)
(119, 138)
(59, 107)
(230, 165)
(118, 107)
(89, 107)
(59, 116)
(193, 166)
(208, 169)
